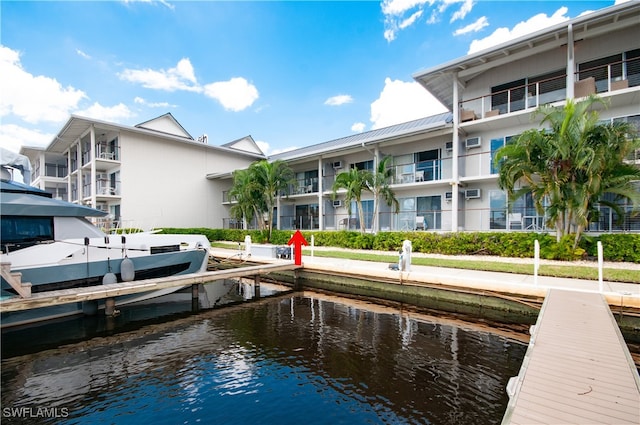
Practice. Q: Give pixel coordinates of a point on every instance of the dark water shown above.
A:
(290, 359)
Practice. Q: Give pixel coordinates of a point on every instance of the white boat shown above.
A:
(53, 245)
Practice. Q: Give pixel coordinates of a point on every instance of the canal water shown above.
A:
(290, 358)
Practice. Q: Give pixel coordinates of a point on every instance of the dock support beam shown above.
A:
(110, 307)
(256, 285)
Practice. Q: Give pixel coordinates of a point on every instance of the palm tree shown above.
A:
(354, 181)
(272, 179)
(378, 184)
(571, 166)
(247, 197)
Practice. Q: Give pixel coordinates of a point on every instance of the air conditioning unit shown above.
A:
(337, 203)
(448, 196)
(448, 146)
(472, 142)
(472, 193)
(102, 176)
(337, 164)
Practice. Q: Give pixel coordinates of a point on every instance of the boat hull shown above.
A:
(79, 275)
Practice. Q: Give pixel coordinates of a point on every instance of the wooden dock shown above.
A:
(49, 298)
(577, 369)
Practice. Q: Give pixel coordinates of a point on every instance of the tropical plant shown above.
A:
(572, 167)
(247, 197)
(271, 179)
(378, 184)
(355, 182)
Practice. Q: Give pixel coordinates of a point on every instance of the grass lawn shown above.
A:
(560, 270)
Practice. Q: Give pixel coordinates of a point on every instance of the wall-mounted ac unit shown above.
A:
(472, 193)
(472, 142)
(337, 203)
(448, 146)
(336, 165)
(448, 196)
(102, 176)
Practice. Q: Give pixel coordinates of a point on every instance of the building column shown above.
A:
(455, 175)
(571, 76)
(92, 158)
(320, 191)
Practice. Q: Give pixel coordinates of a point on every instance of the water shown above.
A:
(290, 359)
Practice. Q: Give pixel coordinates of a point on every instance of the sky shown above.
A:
(290, 74)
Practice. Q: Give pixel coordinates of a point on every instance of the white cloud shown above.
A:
(401, 14)
(33, 99)
(14, 137)
(474, 27)
(402, 101)
(277, 151)
(181, 77)
(461, 13)
(107, 113)
(358, 127)
(82, 54)
(152, 2)
(410, 20)
(338, 100)
(235, 95)
(533, 24)
(141, 101)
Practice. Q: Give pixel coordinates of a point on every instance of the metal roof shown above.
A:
(439, 80)
(76, 126)
(374, 136)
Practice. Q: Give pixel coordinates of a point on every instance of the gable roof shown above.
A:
(166, 124)
(246, 144)
(76, 126)
(420, 125)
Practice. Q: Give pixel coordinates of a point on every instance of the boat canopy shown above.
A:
(19, 199)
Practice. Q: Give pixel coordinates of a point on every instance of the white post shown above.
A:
(406, 256)
(247, 245)
(600, 263)
(536, 261)
(313, 242)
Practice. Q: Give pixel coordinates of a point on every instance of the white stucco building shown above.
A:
(156, 174)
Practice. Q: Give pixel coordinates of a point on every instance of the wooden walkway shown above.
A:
(65, 296)
(577, 369)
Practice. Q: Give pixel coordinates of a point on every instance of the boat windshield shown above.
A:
(19, 232)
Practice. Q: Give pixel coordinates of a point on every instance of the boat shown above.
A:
(54, 246)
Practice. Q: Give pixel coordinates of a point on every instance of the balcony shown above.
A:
(420, 172)
(603, 80)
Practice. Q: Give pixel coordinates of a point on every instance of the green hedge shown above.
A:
(616, 247)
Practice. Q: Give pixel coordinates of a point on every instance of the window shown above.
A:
(498, 209)
(430, 208)
(364, 165)
(495, 145)
(508, 97)
(548, 88)
(20, 232)
(428, 162)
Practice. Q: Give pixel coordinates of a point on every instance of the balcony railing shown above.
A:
(601, 79)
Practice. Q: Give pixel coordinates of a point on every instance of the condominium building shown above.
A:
(443, 172)
(444, 175)
(148, 175)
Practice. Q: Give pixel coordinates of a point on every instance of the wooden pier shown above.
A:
(577, 369)
(65, 296)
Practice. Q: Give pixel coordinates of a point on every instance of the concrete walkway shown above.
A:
(618, 294)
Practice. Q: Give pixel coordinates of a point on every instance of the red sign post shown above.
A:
(297, 240)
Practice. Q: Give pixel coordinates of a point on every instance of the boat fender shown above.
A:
(127, 270)
(109, 278)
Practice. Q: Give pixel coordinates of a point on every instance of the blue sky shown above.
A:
(290, 74)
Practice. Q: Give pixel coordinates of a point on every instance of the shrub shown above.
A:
(616, 247)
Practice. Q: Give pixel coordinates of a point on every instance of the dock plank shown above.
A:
(577, 368)
(45, 299)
